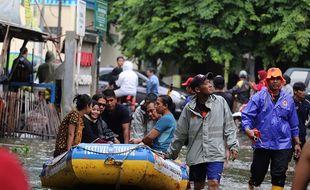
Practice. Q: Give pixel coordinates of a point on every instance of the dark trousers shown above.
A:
(278, 160)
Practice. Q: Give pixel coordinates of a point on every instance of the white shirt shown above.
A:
(127, 81)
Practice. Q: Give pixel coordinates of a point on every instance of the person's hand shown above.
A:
(131, 141)
(297, 150)
(135, 141)
(165, 156)
(250, 133)
(233, 154)
(116, 141)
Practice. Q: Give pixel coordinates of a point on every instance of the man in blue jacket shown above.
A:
(271, 121)
(152, 84)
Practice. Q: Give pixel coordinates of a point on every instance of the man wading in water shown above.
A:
(271, 121)
(207, 123)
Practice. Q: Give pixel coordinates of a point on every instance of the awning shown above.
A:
(21, 32)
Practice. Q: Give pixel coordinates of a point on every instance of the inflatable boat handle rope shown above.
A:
(159, 153)
(117, 185)
(60, 157)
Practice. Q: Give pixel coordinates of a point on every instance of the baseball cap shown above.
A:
(274, 72)
(200, 78)
(187, 82)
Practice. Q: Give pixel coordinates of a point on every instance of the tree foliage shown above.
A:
(218, 30)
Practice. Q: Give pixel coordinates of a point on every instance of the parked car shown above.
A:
(300, 75)
(177, 95)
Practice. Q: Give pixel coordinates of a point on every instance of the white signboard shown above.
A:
(168, 168)
(80, 17)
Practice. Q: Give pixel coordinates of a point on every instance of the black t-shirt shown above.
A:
(303, 111)
(90, 131)
(115, 119)
(94, 130)
(202, 109)
(114, 75)
(228, 97)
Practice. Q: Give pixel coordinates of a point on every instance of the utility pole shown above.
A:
(42, 26)
(59, 24)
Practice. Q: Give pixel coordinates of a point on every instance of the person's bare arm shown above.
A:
(126, 132)
(302, 174)
(71, 130)
(149, 138)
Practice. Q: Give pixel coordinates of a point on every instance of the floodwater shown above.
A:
(235, 176)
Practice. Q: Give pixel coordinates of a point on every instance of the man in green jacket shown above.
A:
(207, 123)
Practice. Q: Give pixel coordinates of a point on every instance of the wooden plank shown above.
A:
(10, 128)
(5, 118)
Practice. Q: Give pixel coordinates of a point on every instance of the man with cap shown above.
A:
(207, 123)
(187, 85)
(271, 121)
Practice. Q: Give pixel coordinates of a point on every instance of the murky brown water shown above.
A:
(235, 175)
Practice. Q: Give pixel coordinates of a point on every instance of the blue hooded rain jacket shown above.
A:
(278, 123)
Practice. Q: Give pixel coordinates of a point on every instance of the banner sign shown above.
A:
(80, 17)
(101, 12)
(28, 13)
(54, 2)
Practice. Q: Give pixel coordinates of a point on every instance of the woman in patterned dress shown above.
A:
(70, 129)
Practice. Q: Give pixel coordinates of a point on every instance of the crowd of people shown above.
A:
(274, 120)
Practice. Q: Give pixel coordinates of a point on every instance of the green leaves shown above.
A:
(199, 31)
(302, 38)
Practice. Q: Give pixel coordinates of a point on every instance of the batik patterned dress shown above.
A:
(72, 118)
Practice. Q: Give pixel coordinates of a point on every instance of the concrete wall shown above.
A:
(110, 53)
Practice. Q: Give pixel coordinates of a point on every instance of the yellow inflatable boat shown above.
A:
(114, 165)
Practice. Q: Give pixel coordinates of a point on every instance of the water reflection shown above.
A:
(40, 152)
(235, 176)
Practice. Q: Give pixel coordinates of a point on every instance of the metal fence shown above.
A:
(26, 113)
